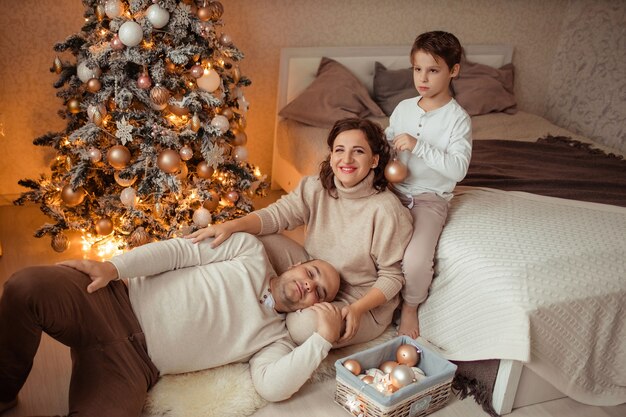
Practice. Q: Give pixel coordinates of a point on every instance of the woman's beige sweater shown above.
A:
(363, 233)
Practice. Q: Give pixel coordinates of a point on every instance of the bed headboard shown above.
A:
(298, 66)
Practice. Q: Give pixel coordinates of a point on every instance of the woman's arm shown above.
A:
(352, 313)
(250, 223)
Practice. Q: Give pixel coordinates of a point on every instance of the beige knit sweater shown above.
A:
(363, 233)
(200, 308)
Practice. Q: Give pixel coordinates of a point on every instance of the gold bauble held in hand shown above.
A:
(72, 197)
(104, 226)
(118, 156)
(396, 171)
(169, 161)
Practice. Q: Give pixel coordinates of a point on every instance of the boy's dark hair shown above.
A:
(439, 44)
(377, 141)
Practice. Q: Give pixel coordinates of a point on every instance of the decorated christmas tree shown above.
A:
(155, 140)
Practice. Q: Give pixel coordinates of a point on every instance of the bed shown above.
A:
(530, 277)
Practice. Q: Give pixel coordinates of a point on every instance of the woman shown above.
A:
(352, 221)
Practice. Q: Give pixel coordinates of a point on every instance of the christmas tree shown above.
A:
(155, 140)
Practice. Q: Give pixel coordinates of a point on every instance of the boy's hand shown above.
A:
(404, 142)
(101, 273)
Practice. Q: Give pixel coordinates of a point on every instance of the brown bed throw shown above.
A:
(554, 166)
(551, 166)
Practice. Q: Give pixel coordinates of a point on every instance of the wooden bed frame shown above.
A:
(515, 385)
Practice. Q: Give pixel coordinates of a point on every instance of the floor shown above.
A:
(46, 389)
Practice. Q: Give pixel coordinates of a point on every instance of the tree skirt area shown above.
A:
(227, 391)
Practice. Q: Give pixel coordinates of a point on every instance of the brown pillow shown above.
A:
(335, 94)
(392, 86)
(482, 89)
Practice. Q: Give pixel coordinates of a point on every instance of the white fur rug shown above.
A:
(227, 391)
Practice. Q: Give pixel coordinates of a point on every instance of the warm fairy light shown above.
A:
(66, 142)
(220, 62)
(148, 44)
(101, 247)
(257, 172)
(103, 32)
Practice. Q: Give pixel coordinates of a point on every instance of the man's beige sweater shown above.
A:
(363, 233)
(200, 308)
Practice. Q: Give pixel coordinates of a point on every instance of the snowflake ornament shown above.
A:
(124, 130)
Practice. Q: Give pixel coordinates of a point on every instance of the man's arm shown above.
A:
(280, 369)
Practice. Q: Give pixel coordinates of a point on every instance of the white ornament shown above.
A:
(221, 122)
(201, 217)
(128, 197)
(85, 74)
(158, 16)
(210, 80)
(124, 131)
(113, 8)
(130, 33)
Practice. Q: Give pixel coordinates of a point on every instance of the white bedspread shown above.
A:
(536, 279)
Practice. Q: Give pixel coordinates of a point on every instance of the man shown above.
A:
(184, 307)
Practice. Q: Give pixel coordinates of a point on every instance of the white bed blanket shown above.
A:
(537, 279)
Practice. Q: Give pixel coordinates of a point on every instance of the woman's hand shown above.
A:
(352, 315)
(101, 273)
(220, 232)
(404, 142)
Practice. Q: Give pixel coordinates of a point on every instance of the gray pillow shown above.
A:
(392, 86)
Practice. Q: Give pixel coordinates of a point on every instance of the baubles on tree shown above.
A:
(210, 80)
(201, 217)
(84, 73)
(159, 96)
(169, 161)
(212, 202)
(130, 33)
(104, 226)
(118, 156)
(139, 237)
(158, 16)
(204, 170)
(72, 197)
(60, 243)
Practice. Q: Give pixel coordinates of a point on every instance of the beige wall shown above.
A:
(29, 28)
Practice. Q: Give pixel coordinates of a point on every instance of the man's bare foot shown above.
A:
(4, 406)
(409, 325)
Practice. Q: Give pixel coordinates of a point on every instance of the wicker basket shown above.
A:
(414, 400)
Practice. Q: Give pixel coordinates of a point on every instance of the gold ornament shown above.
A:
(159, 95)
(72, 197)
(94, 85)
(228, 113)
(401, 376)
(396, 171)
(236, 74)
(241, 138)
(213, 202)
(195, 123)
(183, 171)
(353, 366)
(94, 155)
(217, 10)
(407, 355)
(388, 366)
(138, 237)
(178, 110)
(73, 105)
(204, 13)
(368, 379)
(57, 65)
(122, 181)
(60, 243)
(118, 156)
(104, 226)
(204, 170)
(168, 161)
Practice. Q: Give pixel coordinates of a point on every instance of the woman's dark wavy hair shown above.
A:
(375, 138)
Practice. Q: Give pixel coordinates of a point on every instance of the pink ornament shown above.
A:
(144, 82)
(186, 153)
(232, 196)
(116, 43)
(240, 153)
(196, 71)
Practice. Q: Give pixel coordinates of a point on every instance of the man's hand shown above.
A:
(101, 273)
(404, 142)
(328, 321)
(220, 232)
(352, 314)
